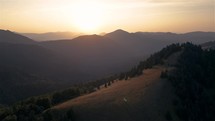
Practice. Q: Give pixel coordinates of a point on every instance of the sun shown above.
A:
(87, 16)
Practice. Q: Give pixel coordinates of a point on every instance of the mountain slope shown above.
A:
(139, 45)
(146, 97)
(154, 41)
(100, 56)
(188, 94)
(28, 70)
(11, 37)
(96, 55)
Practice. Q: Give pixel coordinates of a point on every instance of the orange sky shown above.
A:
(96, 16)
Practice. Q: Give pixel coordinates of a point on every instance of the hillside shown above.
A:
(29, 70)
(100, 56)
(7, 36)
(145, 97)
(187, 95)
(97, 56)
(176, 83)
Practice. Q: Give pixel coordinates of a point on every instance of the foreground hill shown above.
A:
(145, 97)
(188, 95)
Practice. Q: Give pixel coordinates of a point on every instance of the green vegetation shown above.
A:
(168, 116)
(38, 108)
(194, 82)
(64, 95)
(35, 109)
(164, 74)
(155, 59)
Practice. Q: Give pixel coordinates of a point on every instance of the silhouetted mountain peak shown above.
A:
(1, 30)
(118, 33)
(52, 36)
(89, 37)
(11, 37)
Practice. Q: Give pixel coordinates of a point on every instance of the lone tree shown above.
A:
(109, 83)
(164, 74)
(98, 87)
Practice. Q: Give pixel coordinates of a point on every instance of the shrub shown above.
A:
(168, 116)
(10, 118)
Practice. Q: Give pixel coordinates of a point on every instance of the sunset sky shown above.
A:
(96, 16)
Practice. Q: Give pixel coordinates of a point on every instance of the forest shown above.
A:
(194, 84)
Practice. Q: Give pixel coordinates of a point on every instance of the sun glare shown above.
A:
(87, 17)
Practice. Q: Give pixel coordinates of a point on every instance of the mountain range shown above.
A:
(62, 63)
(51, 35)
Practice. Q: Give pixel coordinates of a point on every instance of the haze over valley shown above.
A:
(107, 60)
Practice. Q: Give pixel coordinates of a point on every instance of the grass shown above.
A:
(147, 98)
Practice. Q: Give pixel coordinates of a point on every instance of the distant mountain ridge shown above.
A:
(51, 35)
(199, 36)
(118, 50)
(196, 37)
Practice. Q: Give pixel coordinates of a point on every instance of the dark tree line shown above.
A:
(154, 59)
(194, 82)
(35, 109)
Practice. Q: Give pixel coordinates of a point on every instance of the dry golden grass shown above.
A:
(146, 97)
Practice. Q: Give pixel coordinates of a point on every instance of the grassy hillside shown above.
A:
(145, 97)
(191, 84)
